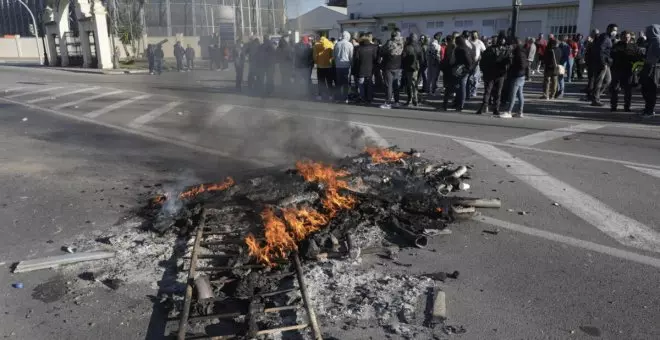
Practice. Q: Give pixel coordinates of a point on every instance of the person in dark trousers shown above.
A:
(459, 65)
(448, 79)
(304, 63)
(267, 58)
(238, 55)
(190, 57)
(650, 74)
(364, 64)
(588, 52)
(579, 58)
(391, 53)
(343, 58)
(624, 54)
(434, 60)
(285, 60)
(411, 59)
(211, 50)
(494, 65)
(517, 73)
(179, 53)
(150, 57)
(322, 54)
(423, 78)
(159, 55)
(254, 63)
(602, 61)
(551, 61)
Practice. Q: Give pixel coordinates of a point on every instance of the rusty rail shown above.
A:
(183, 323)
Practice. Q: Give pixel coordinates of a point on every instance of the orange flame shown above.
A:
(192, 192)
(304, 221)
(158, 199)
(380, 155)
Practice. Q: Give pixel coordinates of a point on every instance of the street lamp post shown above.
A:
(36, 32)
(514, 17)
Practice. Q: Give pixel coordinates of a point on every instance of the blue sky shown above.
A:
(304, 6)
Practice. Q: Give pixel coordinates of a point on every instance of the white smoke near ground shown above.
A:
(172, 190)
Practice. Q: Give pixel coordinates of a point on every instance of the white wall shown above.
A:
(320, 18)
(367, 8)
(20, 48)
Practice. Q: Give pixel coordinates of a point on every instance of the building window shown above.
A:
(439, 24)
(463, 23)
(488, 23)
(430, 24)
(562, 20)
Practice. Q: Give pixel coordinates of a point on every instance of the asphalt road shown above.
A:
(79, 151)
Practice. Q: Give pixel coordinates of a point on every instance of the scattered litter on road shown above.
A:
(492, 232)
(69, 249)
(18, 285)
(25, 119)
(449, 329)
(555, 204)
(522, 213)
(55, 261)
(439, 306)
(180, 113)
(510, 210)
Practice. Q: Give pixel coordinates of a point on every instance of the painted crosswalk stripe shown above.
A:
(115, 106)
(591, 246)
(650, 172)
(86, 99)
(86, 89)
(153, 114)
(14, 89)
(622, 228)
(219, 113)
(546, 136)
(47, 89)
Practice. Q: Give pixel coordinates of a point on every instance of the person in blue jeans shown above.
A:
(565, 56)
(460, 64)
(517, 71)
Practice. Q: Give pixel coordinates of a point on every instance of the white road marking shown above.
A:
(219, 113)
(14, 89)
(153, 114)
(595, 247)
(37, 100)
(80, 101)
(115, 106)
(650, 172)
(183, 144)
(546, 136)
(623, 229)
(47, 89)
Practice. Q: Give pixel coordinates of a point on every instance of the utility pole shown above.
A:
(514, 17)
(36, 30)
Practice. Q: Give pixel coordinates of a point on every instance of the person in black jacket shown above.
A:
(238, 56)
(551, 62)
(266, 79)
(424, 43)
(365, 59)
(391, 53)
(411, 60)
(517, 72)
(494, 65)
(460, 64)
(624, 54)
(304, 63)
(602, 61)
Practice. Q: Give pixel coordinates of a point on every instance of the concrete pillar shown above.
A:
(102, 36)
(585, 12)
(17, 41)
(50, 30)
(62, 25)
(168, 15)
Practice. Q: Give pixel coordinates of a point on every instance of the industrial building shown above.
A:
(491, 16)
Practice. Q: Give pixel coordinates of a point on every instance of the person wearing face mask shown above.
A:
(650, 74)
(602, 61)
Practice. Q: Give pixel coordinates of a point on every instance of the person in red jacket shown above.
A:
(541, 44)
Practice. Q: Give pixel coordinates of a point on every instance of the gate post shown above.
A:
(102, 36)
(62, 26)
(50, 30)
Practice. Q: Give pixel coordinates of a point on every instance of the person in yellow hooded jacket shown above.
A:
(323, 51)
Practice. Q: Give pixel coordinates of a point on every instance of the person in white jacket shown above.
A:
(434, 60)
(343, 57)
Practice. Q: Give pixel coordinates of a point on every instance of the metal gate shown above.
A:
(58, 52)
(73, 49)
(94, 63)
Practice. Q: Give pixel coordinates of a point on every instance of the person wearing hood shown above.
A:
(411, 61)
(624, 54)
(424, 44)
(602, 60)
(517, 72)
(650, 74)
(434, 63)
(494, 65)
(304, 63)
(392, 51)
(364, 63)
(343, 57)
(460, 63)
(322, 54)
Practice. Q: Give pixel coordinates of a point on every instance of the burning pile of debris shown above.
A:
(245, 276)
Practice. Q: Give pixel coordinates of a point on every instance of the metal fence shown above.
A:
(15, 19)
(206, 17)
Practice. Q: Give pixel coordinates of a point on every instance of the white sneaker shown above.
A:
(518, 115)
(386, 106)
(505, 115)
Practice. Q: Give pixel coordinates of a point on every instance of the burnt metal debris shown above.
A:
(242, 290)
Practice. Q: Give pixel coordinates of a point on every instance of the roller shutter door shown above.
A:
(629, 16)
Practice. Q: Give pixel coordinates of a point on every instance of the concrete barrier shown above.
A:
(16, 48)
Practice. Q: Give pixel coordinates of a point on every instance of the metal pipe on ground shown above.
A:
(185, 313)
(495, 203)
(418, 240)
(311, 315)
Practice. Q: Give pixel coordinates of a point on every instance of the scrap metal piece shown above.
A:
(418, 240)
(480, 202)
(55, 261)
(311, 315)
(204, 290)
(187, 301)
